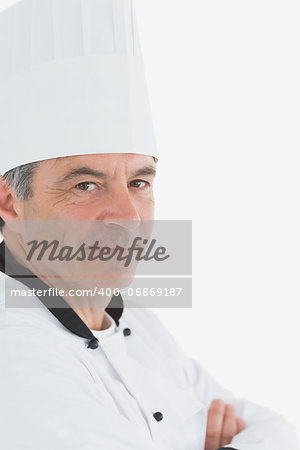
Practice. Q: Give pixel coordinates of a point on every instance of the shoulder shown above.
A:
(31, 337)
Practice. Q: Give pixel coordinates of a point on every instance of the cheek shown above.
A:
(63, 208)
(78, 211)
(32, 211)
(68, 207)
(146, 209)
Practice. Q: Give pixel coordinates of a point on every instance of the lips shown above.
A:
(121, 248)
(113, 246)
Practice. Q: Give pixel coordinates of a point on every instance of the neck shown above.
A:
(94, 318)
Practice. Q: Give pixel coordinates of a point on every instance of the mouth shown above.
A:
(121, 248)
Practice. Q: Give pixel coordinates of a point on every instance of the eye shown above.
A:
(139, 183)
(86, 186)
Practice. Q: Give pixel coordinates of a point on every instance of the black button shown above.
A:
(127, 331)
(158, 416)
(93, 344)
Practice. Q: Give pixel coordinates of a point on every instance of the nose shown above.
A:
(121, 211)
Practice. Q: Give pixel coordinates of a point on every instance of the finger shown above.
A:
(241, 425)
(214, 424)
(229, 425)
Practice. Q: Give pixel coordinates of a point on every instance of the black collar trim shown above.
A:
(65, 314)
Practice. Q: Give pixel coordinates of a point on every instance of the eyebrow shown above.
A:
(87, 171)
(148, 170)
(80, 171)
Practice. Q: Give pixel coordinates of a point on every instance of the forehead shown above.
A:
(98, 160)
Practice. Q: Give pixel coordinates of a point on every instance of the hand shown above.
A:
(222, 425)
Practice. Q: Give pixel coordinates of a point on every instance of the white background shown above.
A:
(223, 79)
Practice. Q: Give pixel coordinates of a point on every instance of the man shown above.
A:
(93, 377)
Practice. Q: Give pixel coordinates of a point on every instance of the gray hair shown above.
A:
(20, 179)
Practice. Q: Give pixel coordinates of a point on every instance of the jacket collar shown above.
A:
(64, 313)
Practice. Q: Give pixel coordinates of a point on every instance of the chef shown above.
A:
(77, 142)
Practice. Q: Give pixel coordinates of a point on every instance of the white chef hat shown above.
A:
(72, 81)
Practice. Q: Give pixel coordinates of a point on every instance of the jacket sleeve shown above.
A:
(265, 429)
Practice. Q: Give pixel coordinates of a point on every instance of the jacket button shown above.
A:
(93, 344)
(158, 416)
(127, 331)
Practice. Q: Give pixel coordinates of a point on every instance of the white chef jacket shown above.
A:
(136, 391)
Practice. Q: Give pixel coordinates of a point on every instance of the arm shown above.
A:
(264, 430)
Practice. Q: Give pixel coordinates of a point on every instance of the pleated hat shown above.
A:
(72, 81)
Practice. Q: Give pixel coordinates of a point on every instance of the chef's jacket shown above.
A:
(130, 386)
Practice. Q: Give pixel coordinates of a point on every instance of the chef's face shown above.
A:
(83, 199)
(110, 187)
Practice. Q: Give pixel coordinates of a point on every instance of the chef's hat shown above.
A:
(72, 81)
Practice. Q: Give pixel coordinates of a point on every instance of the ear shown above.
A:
(7, 201)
